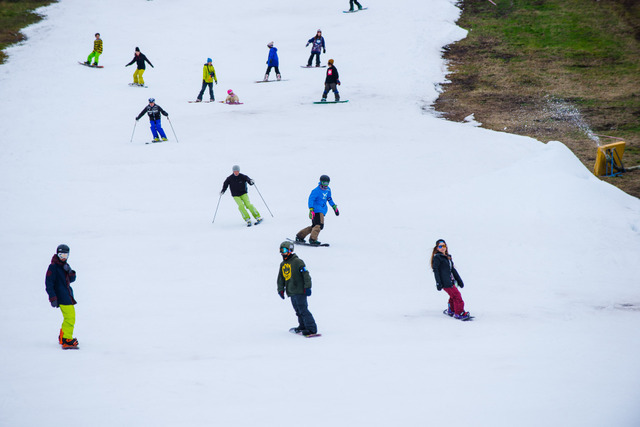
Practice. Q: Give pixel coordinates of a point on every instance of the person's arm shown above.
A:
(142, 113)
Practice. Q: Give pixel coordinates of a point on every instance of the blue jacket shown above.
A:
(319, 198)
(58, 282)
(273, 61)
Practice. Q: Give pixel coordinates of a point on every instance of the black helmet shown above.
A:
(325, 178)
(62, 249)
(286, 245)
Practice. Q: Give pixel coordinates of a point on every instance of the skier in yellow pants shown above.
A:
(58, 281)
(238, 183)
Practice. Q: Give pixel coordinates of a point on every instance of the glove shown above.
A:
(335, 210)
(216, 82)
(324, 50)
(338, 82)
(137, 119)
(311, 214)
(222, 192)
(250, 182)
(67, 268)
(438, 286)
(152, 66)
(306, 45)
(307, 292)
(460, 285)
(54, 302)
(281, 293)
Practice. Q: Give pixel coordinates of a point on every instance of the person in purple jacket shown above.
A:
(317, 46)
(58, 281)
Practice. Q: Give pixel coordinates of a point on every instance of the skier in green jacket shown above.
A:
(294, 278)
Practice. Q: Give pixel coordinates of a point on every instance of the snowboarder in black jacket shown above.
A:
(139, 58)
(331, 82)
(153, 110)
(447, 278)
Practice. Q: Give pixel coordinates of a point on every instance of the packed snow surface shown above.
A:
(178, 318)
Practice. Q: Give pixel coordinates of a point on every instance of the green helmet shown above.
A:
(286, 247)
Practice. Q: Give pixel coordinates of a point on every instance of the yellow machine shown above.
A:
(609, 159)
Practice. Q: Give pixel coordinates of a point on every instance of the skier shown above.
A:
(447, 278)
(272, 62)
(294, 278)
(232, 98)
(58, 281)
(208, 77)
(351, 2)
(317, 43)
(238, 183)
(318, 199)
(139, 58)
(154, 111)
(97, 51)
(331, 82)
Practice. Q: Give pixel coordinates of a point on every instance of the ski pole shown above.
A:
(174, 132)
(265, 203)
(214, 215)
(134, 130)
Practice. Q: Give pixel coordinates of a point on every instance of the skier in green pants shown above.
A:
(238, 184)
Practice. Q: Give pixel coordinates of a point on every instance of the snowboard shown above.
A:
(200, 102)
(136, 85)
(232, 103)
(313, 66)
(306, 243)
(354, 11)
(270, 81)
(293, 331)
(330, 102)
(90, 66)
(465, 320)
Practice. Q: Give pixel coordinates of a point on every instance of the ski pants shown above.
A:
(274, 67)
(455, 299)
(351, 2)
(156, 128)
(314, 229)
(137, 76)
(334, 88)
(204, 86)
(95, 56)
(243, 202)
(317, 55)
(305, 318)
(68, 320)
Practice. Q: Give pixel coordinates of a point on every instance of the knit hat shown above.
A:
(229, 92)
(209, 60)
(270, 44)
(137, 49)
(330, 62)
(235, 168)
(440, 241)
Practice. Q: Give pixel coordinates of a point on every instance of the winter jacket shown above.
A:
(209, 74)
(445, 272)
(238, 184)
(319, 198)
(293, 276)
(139, 60)
(318, 44)
(153, 112)
(232, 99)
(58, 282)
(97, 45)
(332, 75)
(273, 61)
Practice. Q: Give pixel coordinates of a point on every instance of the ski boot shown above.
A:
(313, 242)
(156, 139)
(94, 65)
(248, 223)
(266, 78)
(60, 337)
(299, 240)
(164, 139)
(462, 316)
(448, 311)
(198, 100)
(258, 221)
(323, 100)
(278, 77)
(69, 344)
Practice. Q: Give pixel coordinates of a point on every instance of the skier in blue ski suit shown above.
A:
(318, 199)
(272, 62)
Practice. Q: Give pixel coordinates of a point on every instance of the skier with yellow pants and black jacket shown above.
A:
(294, 278)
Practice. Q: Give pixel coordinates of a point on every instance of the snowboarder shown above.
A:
(154, 111)
(139, 58)
(272, 62)
(208, 77)
(447, 278)
(351, 3)
(97, 51)
(331, 82)
(294, 279)
(238, 184)
(317, 45)
(232, 98)
(58, 281)
(318, 199)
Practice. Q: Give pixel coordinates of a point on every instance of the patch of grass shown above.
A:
(14, 16)
(553, 70)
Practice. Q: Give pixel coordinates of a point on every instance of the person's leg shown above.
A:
(69, 320)
(277, 72)
(327, 88)
(310, 60)
(457, 304)
(140, 73)
(334, 88)
(243, 211)
(154, 128)
(318, 224)
(204, 85)
(161, 131)
(96, 58)
(305, 318)
(211, 97)
(135, 77)
(248, 205)
(90, 57)
(302, 234)
(317, 59)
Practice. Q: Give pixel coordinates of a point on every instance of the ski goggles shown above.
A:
(440, 246)
(284, 250)
(63, 255)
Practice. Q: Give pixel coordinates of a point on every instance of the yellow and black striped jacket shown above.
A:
(97, 46)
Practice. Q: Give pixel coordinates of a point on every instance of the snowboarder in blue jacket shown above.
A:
(272, 62)
(318, 199)
(317, 46)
